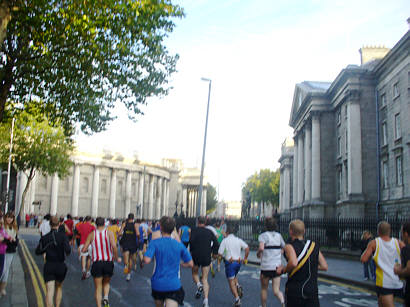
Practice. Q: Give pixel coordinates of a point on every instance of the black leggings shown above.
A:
(293, 301)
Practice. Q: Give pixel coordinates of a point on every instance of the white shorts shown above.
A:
(88, 252)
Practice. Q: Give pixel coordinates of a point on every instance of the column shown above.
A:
(151, 198)
(308, 162)
(163, 193)
(22, 182)
(54, 194)
(203, 202)
(281, 194)
(354, 156)
(159, 196)
(166, 204)
(301, 170)
(113, 192)
(316, 157)
(32, 194)
(96, 186)
(286, 188)
(76, 190)
(295, 171)
(141, 193)
(184, 198)
(128, 193)
(195, 200)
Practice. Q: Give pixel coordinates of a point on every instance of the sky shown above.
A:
(254, 52)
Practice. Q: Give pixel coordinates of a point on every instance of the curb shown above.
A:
(18, 286)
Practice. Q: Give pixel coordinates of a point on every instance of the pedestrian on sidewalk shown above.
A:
(385, 252)
(168, 253)
(230, 249)
(202, 244)
(104, 252)
(403, 270)
(10, 225)
(55, 246)
(369, 265)
(270, 249)
(4, 236)
(304, 260)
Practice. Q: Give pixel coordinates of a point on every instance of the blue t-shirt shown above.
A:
(168, 253)
(184, 233)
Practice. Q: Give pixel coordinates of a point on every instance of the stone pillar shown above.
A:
(113, 192)
(21, 185)
(32, 194)
(354, 137)
(76, 190)
(316, 157)
(286, 188)
(184, 199)
(128, 185)
(203, 202)
(54, 195)
(96, 188)
(163, 193)
(141, 193)
(159, 196)
(308, 163)
(167, 198)
(301, 169)
(295, 171)
(151, 198)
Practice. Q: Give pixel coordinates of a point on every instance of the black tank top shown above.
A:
(129, 235)
(304, 282)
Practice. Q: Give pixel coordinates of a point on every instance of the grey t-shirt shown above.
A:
(271, 256)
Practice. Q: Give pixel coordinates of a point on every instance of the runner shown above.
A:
(211, 228)
(184, 234)
(220, 235)
(115, 229)
(77, 234)
(104, 251)
(84, 230)
(271, 245)
(230, 250)
(55, 246)
(166, 285)
(403, 270)
(201, 249)
(304, 260)
(128, 242)
(140, 243)
(386, 253)
(70, 226)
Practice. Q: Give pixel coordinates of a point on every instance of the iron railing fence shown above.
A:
(331, 233)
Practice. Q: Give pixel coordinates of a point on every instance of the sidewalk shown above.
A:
(343, 270)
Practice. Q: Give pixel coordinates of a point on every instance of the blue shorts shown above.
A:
(232, 269)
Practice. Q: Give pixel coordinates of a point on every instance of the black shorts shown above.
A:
(54, 271)
(385, 291)
(202, 261)
(145, 241)
(302, 302)
(269, 274)
(102, 269)
(177, 295)
(77, 240)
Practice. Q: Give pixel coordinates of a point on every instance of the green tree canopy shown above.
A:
(211, 199)
(82, 57)
(262, 187)
(37, 147)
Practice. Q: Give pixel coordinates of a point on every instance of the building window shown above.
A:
(383, 100)
(396, 92)
(397, 126)
(104, 186)
(84, 185)
(385, 174)
(339, 146)
(399, 170)
(384, 134)
(119, 189)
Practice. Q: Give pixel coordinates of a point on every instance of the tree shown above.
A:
(37, 147)
(82, 57)
(211, 199)
(263, 188)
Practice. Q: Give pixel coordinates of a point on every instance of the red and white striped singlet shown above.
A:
(101, 246)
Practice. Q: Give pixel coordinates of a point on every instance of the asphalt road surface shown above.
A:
(137, 292)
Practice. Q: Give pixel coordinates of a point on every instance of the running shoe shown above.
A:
(128, 278)
(105, 303)
(199, 292)
(83, 275)
(240, 290)
(88, 274)
(205, 304)
(237, 303)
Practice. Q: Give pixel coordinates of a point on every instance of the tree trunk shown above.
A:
(5, 17)
(23, 197)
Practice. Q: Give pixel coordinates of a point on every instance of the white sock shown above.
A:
(106, 297)
(198, 284)
(205, 301)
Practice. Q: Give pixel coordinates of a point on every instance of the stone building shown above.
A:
(351, 152)
(111, 185)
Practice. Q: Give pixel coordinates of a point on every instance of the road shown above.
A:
(137, 292)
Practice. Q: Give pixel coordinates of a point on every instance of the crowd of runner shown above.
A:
(202, 248)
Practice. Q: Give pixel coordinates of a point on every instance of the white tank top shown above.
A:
(101, 246)
(385, 256)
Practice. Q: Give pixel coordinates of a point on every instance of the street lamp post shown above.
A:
(198, 206)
